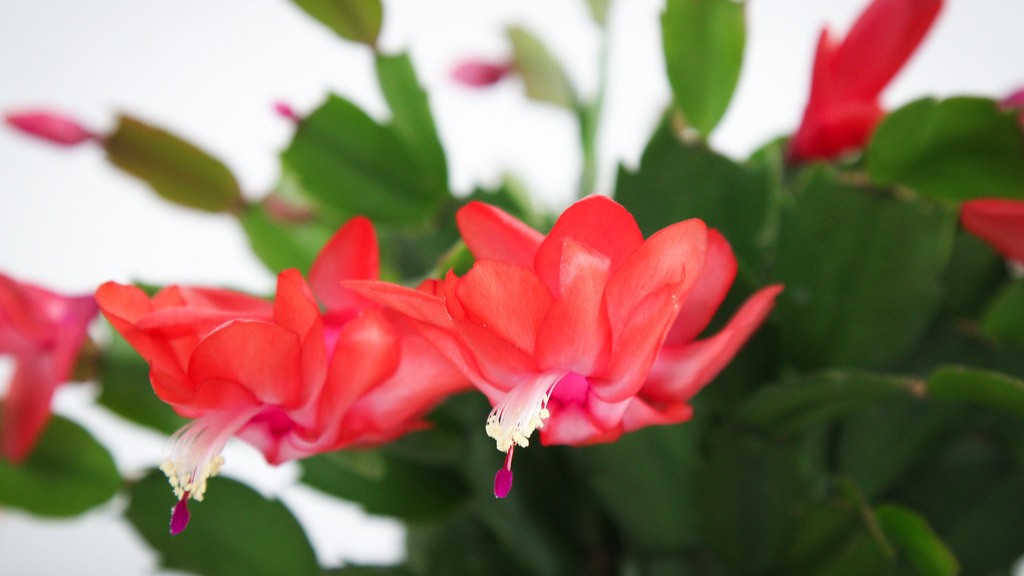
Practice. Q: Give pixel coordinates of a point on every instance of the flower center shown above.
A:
(196, 456)
(523, 410)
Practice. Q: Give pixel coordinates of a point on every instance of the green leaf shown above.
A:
(410, 116)
(678, 180)
(703, 42)
(126, 390)
(385, 484)
(925, 551)
(979, 387)
(661, 517)
(1004, 318)
(349, 164)
(543, 76)
(66, 474)
(355, 20)
(862, 272)
(748, 495)
(282, 244)
(954, 149)
(811, 400)
(233, 531)
(599, 10)
(174, 168)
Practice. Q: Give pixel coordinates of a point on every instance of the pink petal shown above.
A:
(478, 74)
(640, 414)
(264, 359)
(596, 222)
(492, 234)
(681, 371)
(572, 425)
(351, 254)
(999, 222)
(575, 335)
(700, 305)
(23, 312)
(50, 126)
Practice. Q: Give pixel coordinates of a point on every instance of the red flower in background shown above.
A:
(999, 222)
(560, 331)
(50, 126)
(289, 379)
(44, 331)
(480, 74)
(843, 108)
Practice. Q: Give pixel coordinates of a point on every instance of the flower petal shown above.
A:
(27, 407)
(575, 335)
(351, 254)
(681, 371)
(999, 222)
(365, 355)
(263, 358)
(700, 305)
(672, 256)
(492, 234)
(295, 309)
(598, 223)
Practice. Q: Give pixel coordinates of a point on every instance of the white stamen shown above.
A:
(195, 456)
(522, 411)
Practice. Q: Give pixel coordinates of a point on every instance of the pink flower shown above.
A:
(44, 331)
(685, 365)
(999, 222)
(285, 377)
(479, 74)
(50, 126)
(561, 331)
(1015, 101)
(843, 108)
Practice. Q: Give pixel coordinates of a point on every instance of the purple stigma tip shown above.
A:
(179, 517)
(502, 483)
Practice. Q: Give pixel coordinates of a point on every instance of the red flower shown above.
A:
(50, 126)
(289, 379)
(479, 74)
(843, 108)
(44, 332)
(999, 222)
(684, 365)
(561, 331)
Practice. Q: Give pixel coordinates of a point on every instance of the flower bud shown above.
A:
(479, 74)
(51, 126)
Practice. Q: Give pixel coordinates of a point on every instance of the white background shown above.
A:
(210, 71)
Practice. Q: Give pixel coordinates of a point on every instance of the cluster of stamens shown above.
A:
(515, 428)
(188, 482)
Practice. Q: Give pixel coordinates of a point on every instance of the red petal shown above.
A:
(598, 223)
(506, 299)
(296, 309)
(674, 256)
(640, 414)
(575, 335)
(708, 292)
(351, 254)
(492, 234)
(265, 359)
(365, 355)
(637, 344)
(680, 372)
(27, 408)
(23, 310)
(879, 44)
(572, 425)
(999, 222)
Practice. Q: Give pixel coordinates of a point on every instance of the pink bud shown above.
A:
(1015, 101)
(479, 74)
(286, 111)
(51, 126)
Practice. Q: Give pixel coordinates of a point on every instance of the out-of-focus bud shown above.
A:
(1015, 102)
(479, 74)
(285, 110)
(50, 126)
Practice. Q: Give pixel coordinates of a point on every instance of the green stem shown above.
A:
(589, 115)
